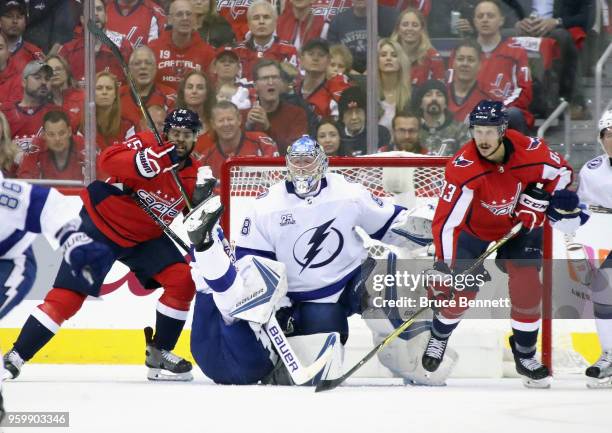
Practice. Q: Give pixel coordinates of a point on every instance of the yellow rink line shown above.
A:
(94, 346)
(126, 346)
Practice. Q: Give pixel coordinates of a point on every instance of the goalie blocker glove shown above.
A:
(150, 162)
(531, 207)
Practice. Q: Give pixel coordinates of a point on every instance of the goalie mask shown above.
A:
(306, 164)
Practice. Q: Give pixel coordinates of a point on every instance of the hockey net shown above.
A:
(407, 179)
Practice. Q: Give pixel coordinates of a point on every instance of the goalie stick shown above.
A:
(101, 36)
(326, 385)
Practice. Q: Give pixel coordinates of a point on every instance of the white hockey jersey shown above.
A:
(314, 236)
(27, 210)
(595, 182)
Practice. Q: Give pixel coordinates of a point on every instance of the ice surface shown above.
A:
(120, 399)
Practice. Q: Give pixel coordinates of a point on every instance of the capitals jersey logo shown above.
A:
(534, 144)
(318, 246)
(163, 205)
(505, 207)
(460, 161)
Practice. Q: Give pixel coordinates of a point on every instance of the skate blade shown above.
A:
(158, 374)
(537, 383)
(595, 383)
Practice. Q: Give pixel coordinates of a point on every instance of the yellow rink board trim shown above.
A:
(94, 346)
(127, 346)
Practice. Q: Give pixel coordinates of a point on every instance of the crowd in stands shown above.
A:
(261, 73)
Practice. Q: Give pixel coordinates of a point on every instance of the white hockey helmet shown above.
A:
(306, 164)
(604, 123)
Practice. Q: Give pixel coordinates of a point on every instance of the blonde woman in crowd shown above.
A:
(394, 79)
(411, 33)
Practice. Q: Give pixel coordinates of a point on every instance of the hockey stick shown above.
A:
(326, 385)
(598, 209)
(101, 36)
(299, 374)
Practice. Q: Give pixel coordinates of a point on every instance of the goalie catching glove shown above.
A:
(151, 162)
(531, 207)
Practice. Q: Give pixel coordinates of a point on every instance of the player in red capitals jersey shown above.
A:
(504, 69)
(321, 94)
(496, 180)
(139, 21)
(227, 139)
(141, 170)
(262, 42)
(74, 50)
(180, 50)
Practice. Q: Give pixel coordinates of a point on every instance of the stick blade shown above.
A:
(327, 385)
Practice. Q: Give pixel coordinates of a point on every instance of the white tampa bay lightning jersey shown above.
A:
(595, 182)
(26, 210)
(314, 236)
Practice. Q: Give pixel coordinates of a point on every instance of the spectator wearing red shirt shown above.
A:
(180, 50)
(196, 94)
(213, 28)
(158, 116)
(227, 139)
(261, 42)
(140, 21)
(13, 16)
(463, 90)
(235, 13)
(111, 126)
(25, 116)
(298, 24)
(9, 152)
(10, 76)
(320, 93)
(282, 121)
(74, 51)
(143, 68)
(504, 69)
(61, 154)
(64, 92)
(411, 33)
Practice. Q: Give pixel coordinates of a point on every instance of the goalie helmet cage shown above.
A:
(417, 179)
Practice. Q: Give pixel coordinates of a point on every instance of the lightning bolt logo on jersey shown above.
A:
(324, 244)
(319, 248)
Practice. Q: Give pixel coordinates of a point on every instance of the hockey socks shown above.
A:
(442, 328)
(525, 338)
(33, 336)
(169, 324)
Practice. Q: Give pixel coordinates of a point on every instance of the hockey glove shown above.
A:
(439, 282)
(151, 162)
(89, 259)
(565, 213)
(205, 184)
(531, 207)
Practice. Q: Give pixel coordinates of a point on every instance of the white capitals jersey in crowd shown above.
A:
(26, 210)
(314, 237)
(595, 182)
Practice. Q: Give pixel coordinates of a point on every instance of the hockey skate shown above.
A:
(434, 353)
(599, 375)
(12, 364)
(163, 364)
(533, 373)
(201, 221)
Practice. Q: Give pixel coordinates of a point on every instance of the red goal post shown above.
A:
(244, 178)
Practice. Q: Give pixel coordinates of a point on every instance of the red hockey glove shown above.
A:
(439, 282)
(152, 161)
(531, 207)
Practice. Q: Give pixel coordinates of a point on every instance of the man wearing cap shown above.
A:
(282, 121)
(142, 67)
(226, 69)
(354, 134)
(74, 50)
(440, 133)
(13, 16)
(261, 41)
(180, 50)
(315, 89)
(25, 116)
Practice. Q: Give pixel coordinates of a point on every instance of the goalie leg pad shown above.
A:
(228, 354)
